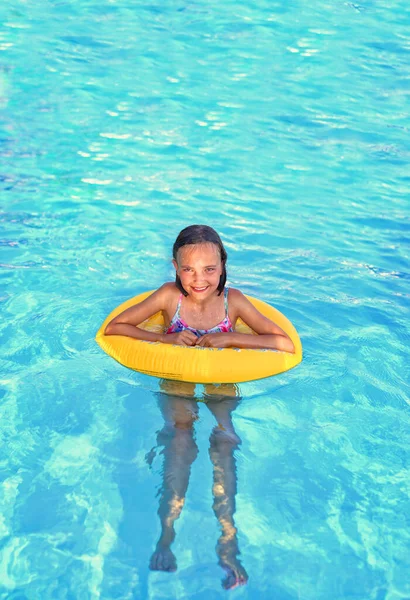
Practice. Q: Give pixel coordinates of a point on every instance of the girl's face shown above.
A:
(199, 268)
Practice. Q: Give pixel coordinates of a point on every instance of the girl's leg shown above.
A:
(223, 442)
(179, 450)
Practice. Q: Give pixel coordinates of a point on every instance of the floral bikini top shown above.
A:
(177, 324)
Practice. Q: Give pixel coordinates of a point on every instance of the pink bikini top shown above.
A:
(177, 324)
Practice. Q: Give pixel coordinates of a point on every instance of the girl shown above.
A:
(198, 309)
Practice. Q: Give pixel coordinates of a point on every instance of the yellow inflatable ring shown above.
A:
(196, 364)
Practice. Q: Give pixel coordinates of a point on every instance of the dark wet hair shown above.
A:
(200, 234)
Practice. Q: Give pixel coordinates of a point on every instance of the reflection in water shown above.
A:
(180, 411)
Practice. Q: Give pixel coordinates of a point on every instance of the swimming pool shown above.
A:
(285, 128)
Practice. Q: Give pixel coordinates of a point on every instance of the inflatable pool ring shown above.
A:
(196, 364)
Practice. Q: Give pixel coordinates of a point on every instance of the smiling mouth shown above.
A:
(201, 289)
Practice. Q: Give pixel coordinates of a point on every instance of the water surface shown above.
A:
(286, 129)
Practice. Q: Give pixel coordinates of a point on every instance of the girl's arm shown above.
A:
(126, 322)
(269, 336)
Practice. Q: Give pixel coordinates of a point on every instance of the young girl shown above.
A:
(198, 309)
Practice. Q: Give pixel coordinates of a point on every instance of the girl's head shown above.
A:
(199, 260)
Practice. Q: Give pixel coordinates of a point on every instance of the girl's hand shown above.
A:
(182, 338)
(216, 340)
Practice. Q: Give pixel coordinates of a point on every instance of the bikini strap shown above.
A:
(177, 315)
(226, 301)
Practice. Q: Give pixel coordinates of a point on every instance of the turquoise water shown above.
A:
(286, 128)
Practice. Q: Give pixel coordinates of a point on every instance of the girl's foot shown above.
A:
(235, 575)
(163, 560)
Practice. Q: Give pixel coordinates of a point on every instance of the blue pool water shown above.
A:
(285, 126)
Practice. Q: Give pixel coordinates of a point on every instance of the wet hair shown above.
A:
(200, 234)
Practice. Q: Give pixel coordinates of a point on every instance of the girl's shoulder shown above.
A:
(235, 296)
(169, 293)
(165, 299)
(169, 288)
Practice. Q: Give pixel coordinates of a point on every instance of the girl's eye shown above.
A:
(186, 269)
(210, 269)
